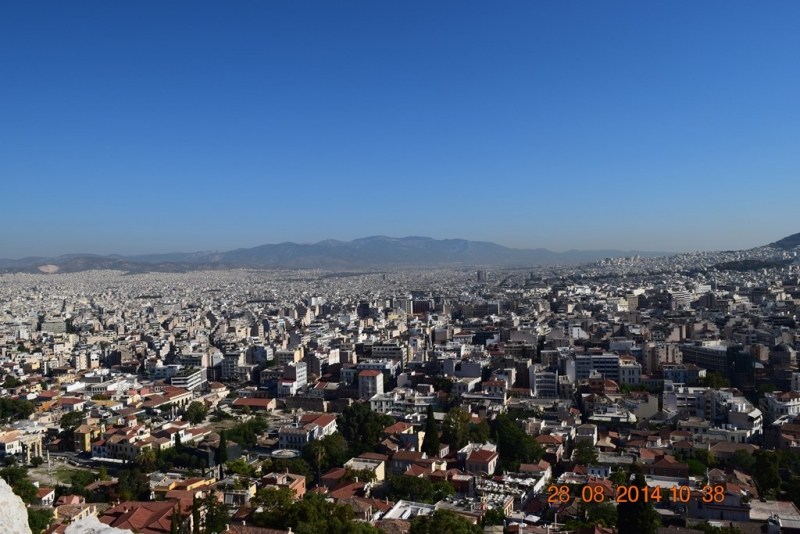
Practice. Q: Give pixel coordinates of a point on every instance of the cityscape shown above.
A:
(456, 399)
(355, 267)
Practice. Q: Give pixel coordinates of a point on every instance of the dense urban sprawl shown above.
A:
(431, 400)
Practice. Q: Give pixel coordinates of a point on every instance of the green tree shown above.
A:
(12, 382)
(455, 428)
(240, 467)
(196, 518)
(696, 468)
(361, 427)
(766, 472)
(311, 515)
(72, 420)
(742, 460)
(17, 478)
(494, 516)
(216, 513)
(222, 449)
(196, 413)
(591, 514)
(175, 520)
(637, 517)
(513, 445)
(330, 451)
(714, 380)
(79, 480)
(619, 477)
(39, 519)
(585, 453)
(603, 513)
(146, 460)
(443, 521)
(442, 489)
(133, 485)
(102, 473)
(36, 461)
(246, 434)
(274, 504)
(15, 409)
(479, 433)
(430, 444)
(704, 456)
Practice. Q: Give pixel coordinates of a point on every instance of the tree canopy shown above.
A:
(513, 445)
(443, 521)
(766, 471)
(585, 453)
(639, 517)
(430, 444)
(418, 489)
(246, 434)
(330, 451)
(455, 428)
(361, 427)
(310, 515)
(196, 413)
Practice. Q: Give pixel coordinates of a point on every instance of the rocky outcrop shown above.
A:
(13, 513)
(92, 525)
(14, 517)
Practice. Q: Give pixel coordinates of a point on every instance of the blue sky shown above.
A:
(131, 127)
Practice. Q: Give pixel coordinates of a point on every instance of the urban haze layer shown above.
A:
(628, 394)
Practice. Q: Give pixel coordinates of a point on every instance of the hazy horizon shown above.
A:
(192, 126)
(247, 246)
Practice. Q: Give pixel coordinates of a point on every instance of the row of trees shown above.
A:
(763, 465)
(310, 515)
(418, 489)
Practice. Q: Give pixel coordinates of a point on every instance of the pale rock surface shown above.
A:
(92, 525)
(14, 517)
(13, 513)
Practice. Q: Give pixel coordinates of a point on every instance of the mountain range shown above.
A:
(366, 253)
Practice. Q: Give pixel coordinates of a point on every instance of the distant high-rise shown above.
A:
(482, 275)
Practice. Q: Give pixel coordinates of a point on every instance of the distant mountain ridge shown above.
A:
(367, 252)
(787, 243)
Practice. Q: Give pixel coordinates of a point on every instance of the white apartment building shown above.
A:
(370, 383)
(308, 428)
(189, 379)
(403, 400)
(777, 404)
(630, 371)
(543, 383)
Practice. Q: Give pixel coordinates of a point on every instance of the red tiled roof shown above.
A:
(481, 456)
